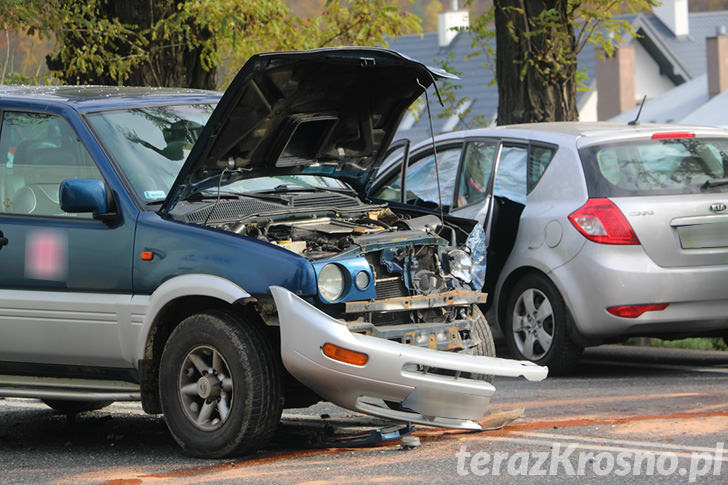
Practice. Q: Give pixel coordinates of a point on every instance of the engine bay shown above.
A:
(408, 253)
(313, 237)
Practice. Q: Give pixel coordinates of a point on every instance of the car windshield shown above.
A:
(150, 145)
(285, 183)
(656, 166)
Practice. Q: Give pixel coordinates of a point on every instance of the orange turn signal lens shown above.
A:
(344, 355)
(147, 255)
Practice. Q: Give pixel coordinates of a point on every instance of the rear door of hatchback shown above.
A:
(671, 187)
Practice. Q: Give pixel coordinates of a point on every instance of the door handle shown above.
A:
(3, 240)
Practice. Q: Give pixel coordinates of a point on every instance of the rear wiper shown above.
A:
(713, 183)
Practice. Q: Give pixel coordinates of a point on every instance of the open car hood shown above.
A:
(326, 111)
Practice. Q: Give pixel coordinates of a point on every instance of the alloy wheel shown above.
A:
(205, 388)
(533, 324)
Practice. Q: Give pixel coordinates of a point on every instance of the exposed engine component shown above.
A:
(314, 237)
(408, 255)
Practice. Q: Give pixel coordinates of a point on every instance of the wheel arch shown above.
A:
(510, 282)
(172, 302)
(507, 286)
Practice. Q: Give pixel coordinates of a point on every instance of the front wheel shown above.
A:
(486, 345)
(220, 385)
(536, 325)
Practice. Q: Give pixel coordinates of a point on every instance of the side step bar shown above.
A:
(68, 389)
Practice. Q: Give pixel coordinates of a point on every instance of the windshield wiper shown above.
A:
(713, 183)
(209, 194)
(300, 188)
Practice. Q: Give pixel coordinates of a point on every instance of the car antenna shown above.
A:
(434, 152)
(636, 120)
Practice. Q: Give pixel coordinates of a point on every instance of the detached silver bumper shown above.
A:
(393, 372)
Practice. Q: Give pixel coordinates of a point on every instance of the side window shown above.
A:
(510, 181)
(38, 151)
(538, 160)
(391, 189)
(477, 166)
(421, 182)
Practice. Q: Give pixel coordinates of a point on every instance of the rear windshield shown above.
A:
(661, 166)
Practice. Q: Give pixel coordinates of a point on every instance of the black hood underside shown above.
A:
(321, 111)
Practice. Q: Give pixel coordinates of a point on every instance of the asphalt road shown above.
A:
(630, 414)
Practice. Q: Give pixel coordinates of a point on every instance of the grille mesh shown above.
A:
(338, 201)
(230, 210)
(390, 288)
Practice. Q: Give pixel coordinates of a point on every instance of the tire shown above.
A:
(72, 407)
(486, 346)
(536, 309)
(232, 410)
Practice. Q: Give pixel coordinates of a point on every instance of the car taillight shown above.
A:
(634, 311)
(599, 220)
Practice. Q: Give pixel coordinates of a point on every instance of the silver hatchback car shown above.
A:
(598, 231)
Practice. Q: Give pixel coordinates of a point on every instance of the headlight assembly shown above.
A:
(461, 265)
(476, 244)
(331, 282)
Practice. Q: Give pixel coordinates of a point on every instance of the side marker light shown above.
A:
(344, 355)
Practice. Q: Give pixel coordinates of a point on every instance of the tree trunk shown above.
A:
(535, 61)
(171, 63)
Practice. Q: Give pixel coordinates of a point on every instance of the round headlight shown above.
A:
(331, 282)
(461, 265)
(362, 280)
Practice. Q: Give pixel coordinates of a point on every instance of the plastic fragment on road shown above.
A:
(501, 419)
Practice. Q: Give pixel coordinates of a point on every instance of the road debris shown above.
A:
(352, 431)
(501, 419)
(410, 442)
(307, 431)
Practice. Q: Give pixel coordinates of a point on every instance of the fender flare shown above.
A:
(181, 286)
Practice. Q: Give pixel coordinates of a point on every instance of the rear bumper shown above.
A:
(605, 276)
(394, 372)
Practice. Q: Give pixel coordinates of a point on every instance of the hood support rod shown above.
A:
(434, 152)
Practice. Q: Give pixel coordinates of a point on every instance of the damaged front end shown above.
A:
(282, 161)
(398, 297)
(416, 346)
(368, 374)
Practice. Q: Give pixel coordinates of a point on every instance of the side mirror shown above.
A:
(87, 195)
